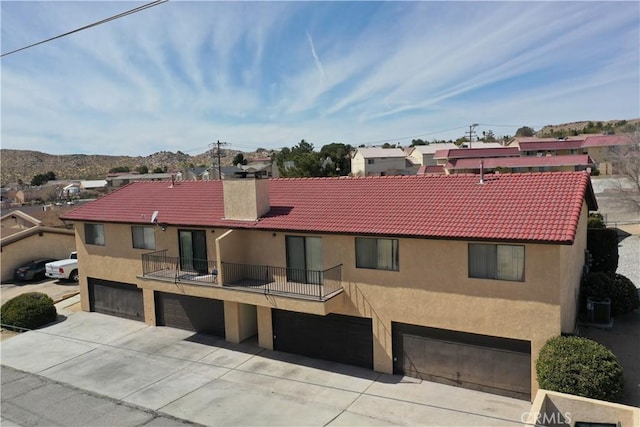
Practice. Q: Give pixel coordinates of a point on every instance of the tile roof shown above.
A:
(476, 153)
(539, 207)
(606, 140)
(522, 162)
(426, 169)
(551, 145)
(432, 148)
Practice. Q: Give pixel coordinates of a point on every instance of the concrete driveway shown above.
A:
(56, 289)
(208, 381)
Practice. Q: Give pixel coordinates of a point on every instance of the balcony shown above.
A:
(308, 284)
(282, 281)
(157, 265)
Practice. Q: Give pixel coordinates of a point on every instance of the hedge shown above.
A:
(621, 290)
(581, 367)
(28, 311)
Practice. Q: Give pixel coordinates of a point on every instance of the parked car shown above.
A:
(33, 270)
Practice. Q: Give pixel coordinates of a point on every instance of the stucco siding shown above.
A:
(571, 273)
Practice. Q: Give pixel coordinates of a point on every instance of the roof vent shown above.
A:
(481, 172)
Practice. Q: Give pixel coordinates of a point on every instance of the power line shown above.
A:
(95, 24)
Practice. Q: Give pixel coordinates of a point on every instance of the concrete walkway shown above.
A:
(208, 381)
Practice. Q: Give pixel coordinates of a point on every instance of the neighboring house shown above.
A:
(25, 238)
(71, 190)
(561, 163)
(94, 184)
(379, 162)
(442, 278)
(120, 180)
(423, 154)
(199, 173)
(600, 148)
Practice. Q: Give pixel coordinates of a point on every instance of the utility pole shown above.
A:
(472, 133)
(217, 152)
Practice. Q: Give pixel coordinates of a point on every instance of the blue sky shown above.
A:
(183, 74)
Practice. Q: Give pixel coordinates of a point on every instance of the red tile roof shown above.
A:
(522, 162)
(551, 145)
(476, 153)
(607, 140)
(426, 169)
(539, 207)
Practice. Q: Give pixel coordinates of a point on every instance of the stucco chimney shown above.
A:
(245, 199)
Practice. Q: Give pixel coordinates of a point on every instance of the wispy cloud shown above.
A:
(258, 74)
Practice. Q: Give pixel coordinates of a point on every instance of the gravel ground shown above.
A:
(629, 262)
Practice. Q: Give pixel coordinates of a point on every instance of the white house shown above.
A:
(375, 161)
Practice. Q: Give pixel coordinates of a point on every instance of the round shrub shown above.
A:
(580, 366)
(595, 220)
(29, 311)
(621, 290)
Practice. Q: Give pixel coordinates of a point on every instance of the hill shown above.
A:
(24, 164)
(587, 127)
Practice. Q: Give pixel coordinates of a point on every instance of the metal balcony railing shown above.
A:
(158, 265)
(285, 281)
(312, 284)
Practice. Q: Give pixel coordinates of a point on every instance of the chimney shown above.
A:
(245, 199)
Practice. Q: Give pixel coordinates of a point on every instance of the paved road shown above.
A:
(32, 400)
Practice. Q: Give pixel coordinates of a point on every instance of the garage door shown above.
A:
(479, 362)
(344, 339)
(191, 313)
(116, 299)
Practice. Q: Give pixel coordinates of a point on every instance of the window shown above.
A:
(500, 262)
(94, 234)
(143, 237)
(370, 161)
(380, 254)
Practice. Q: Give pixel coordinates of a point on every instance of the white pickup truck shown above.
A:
(64, 269)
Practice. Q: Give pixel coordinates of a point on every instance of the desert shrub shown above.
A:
(621, 290)
(602, 244)
(28, 311)
(579, 366)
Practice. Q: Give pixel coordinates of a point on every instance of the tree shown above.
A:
(39, 179)
(50, 176)
(340, 155)
(239, 159)
(525, 131)
(488, 136)
(158, 169)
(306, 162)
(142, 169)
(119, 169)
(418, 141)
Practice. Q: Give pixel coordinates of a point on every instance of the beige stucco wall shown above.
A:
(357, 164)
(432, 287)
(245, 199)
(571, 273)
(51, 244)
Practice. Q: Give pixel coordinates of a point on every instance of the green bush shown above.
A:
(579, 366)
(28, 311)
(596, 220)
(621, 290)
(602, 244)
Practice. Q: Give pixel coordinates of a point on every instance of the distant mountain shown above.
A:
(23, 164)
